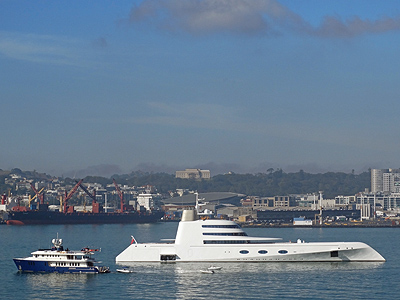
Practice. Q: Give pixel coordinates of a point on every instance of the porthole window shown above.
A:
(282, 251)
(263, 252)
(243, 252)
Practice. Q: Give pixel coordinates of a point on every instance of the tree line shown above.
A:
(272, 183)
(262, 184)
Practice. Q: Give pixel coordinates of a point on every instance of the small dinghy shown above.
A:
(125, 270)
(214, 268)
(207, 271)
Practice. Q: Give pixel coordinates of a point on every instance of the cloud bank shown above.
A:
(248, 17)
(48, 49)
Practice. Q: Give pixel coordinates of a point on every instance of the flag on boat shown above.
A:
(133, 240)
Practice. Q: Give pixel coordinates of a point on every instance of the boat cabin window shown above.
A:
(282, 251)
(334, 253)
(244, 252)
(221, 226)
(225, 242)
(262, 251)
(167, 257)
(226, 233)
(236, 242)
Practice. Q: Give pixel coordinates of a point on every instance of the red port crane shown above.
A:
(120, 194)
(67, 197)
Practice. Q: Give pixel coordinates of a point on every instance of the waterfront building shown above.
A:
(258, 202)
(148, 201)
(276, 201)
(287, 216)
(284, 201)
(388, 201)
(305, 200)
(344, 200)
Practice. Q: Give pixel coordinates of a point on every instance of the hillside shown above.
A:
(261, 184)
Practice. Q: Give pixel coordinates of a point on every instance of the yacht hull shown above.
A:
(26, 265)
(285, 252)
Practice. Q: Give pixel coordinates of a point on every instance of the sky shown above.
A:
(109, 87)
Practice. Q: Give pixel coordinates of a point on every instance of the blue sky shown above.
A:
(103, 87)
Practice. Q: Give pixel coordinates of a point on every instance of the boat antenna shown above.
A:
(57, 242)
(197, 201)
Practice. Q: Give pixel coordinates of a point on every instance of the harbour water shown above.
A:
(184, 281)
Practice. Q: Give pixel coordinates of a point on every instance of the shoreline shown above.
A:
(326, 225)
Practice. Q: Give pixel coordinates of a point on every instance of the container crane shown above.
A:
(38, 194)
(93, 197)
(67, 197)
(95, 205)
(120, 194)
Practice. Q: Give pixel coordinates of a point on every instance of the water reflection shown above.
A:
(181, 268)
(56, 280)
(67, 286)
(55, 285)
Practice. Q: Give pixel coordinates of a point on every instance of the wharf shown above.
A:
(342, 224)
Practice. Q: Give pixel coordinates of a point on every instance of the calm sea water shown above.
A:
(184, 281)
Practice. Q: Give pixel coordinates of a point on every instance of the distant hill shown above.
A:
(261, 184)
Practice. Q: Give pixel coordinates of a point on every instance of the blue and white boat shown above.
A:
(60, 260)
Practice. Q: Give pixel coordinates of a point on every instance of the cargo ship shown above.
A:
(40, 214)
(38, 217)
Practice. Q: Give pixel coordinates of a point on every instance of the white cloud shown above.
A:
(207, 16)
(336, 27)
(248, 17)
(41, 48)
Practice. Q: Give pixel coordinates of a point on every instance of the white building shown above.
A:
(148, 201)
(377, 179)
(386, 201)
(385, 180)
(193, 174)
(344, 200)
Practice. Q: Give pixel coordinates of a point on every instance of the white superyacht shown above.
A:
(215, 240)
